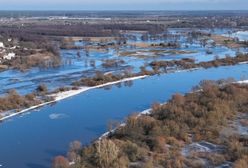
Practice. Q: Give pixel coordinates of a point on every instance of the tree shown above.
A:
(106, 153)
(178, 99)
(42, 88)
(241, 163)
(75, 146)
(60, 162)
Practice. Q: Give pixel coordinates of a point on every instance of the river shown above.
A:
(32, 139)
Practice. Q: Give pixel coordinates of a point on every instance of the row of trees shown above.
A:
(14, 101)
(190, 63)
(157, 68)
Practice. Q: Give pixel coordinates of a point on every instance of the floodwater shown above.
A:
(31, 140)
(86, 63)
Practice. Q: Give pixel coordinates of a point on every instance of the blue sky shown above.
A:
(123, 4)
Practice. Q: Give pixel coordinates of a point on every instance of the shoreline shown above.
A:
(147, 112)
(67, 94)
(144, 112)
(63, 95)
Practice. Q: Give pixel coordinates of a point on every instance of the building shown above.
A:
(1, 45)
(9, 56)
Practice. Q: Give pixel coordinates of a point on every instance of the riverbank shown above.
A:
(147, 112)
(168, 131)
(106, 134)
(66, 94)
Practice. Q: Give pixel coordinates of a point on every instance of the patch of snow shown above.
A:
(14, 47)
(202, 146)
(243, 82)
(194, 147)
(242, 130)
(145, 112)
(225, 165)
(63, 95)
(25, 110)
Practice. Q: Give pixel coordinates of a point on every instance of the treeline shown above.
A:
(41, 60)
(220, 21)
(12, 100)
(150, 28)
(157, 139)
(112, 63)
(157, 68)
(166, 45)
(190, 63)
(101, 78)
(76, 29)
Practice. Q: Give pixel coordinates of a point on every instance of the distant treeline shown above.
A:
(85, 30)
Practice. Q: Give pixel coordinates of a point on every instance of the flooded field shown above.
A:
(78, 63)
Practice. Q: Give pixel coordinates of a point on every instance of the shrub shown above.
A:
(42, 88)
(60, 162)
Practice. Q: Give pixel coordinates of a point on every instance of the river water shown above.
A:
(32, 139)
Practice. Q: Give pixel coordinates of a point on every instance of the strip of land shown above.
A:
(66, 94)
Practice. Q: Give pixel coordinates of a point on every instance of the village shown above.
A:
(6, 53)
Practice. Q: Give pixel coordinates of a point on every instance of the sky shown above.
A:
(123, 4)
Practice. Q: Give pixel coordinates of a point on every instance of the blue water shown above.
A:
(31, 140)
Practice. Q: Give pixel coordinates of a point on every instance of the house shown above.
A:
(9, 56)
(1, 45)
